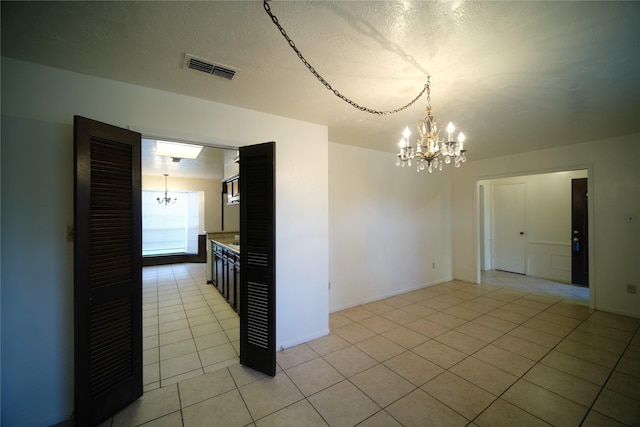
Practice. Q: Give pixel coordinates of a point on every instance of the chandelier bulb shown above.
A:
(461, 138)
(450, 127)
(406, 133)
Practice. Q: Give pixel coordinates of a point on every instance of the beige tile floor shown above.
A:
(188, 327)
(498, 354)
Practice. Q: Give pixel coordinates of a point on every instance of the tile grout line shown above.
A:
(521, 377)
(613, 369)
(601, 387)
(557, 301)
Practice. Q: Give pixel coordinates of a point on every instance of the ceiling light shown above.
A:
(177, 150)
(431, 151)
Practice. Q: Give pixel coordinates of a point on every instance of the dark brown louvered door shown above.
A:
(108, 270)
(257, 258)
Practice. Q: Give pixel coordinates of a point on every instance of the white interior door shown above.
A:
(509, 227)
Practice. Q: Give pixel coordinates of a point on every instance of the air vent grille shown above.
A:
(205, 66)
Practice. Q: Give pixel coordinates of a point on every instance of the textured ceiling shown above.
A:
(514, 76)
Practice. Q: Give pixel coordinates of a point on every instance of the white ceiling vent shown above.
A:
(204, 65)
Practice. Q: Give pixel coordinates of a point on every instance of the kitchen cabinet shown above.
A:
(217, 265)
(225, 266)
(237, 282)
(233, 279)
(233, 190)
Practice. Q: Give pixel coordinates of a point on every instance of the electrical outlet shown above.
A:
(631, 289)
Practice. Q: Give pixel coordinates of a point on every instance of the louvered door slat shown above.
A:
(257, 314)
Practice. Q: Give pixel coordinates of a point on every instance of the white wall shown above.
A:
(614, 195)
(547, 222)
(37, 272)
(388, 226)
(38, 104)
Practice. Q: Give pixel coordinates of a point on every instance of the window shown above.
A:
(172, 228)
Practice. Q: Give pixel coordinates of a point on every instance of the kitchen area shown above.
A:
(223, 250)
(210, 180)
(190, 313)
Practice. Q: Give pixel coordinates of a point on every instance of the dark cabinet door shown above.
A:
(219, 270)
(237, 282)
(225, 275)
(214, 265)
(231, 279)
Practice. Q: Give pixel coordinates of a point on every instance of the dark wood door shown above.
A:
(108, 270)
(579, 233)
(257, 258)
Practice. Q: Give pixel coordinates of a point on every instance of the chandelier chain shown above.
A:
(326, 84)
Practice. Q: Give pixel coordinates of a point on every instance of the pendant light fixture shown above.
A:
(166, 199)
(431, 151)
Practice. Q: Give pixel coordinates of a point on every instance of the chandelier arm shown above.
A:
(326, 84)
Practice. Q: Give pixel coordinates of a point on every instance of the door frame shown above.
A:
(213, 144)
(479, 217)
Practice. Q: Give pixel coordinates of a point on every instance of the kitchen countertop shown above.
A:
(228, 244)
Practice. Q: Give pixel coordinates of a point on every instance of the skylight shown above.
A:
(177, 150)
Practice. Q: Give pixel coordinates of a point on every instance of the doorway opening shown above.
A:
(525, 228)
(189, 329)
(108, 301)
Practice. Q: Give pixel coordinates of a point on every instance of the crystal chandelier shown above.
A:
(431, 151)
(166, 199)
